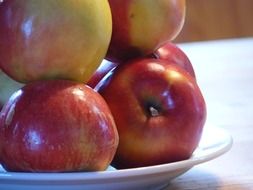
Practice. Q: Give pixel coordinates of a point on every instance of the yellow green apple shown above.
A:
(53, 38)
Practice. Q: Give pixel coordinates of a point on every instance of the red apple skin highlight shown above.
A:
(56, 126)
(159, 112)
(103, 69)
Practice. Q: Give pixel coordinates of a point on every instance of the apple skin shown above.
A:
(103, 69)
(169, 52)
(173, 54)
(54, 38)
(56, 126)
(141, 26)
(158, 109)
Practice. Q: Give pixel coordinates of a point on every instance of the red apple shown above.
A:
(159, 112)
(103, 69)
(173, 54)
(141, 26)
(53, 38)
(56, 126)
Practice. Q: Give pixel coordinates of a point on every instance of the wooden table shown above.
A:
(224, 72)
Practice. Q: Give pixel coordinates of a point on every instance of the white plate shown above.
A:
(214, 143)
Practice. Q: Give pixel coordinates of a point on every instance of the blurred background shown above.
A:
(217, 19)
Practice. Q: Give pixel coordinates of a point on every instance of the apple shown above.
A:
(168, 51)
(7, 88)
(173, 54)
(54, 38)
(158, 109)
(56, 126)
(141, 26)
(103, 69)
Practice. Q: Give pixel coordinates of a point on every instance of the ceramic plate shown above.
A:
(214, 143)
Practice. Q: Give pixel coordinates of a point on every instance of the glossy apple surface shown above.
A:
(159, 112)
(141, 26)
(102, 70)
(54, 38)
(56, 126)
(173, 54)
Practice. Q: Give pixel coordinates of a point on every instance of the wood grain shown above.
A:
(217, 19)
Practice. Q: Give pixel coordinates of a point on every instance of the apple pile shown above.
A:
(151, 89)
(103, 84)
(55, 123)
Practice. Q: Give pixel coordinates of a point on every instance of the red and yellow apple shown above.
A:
(56, 126)
(174, 55)
(158, 109)
(54, 38)
(141, 26)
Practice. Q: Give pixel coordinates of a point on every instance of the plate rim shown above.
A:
(198, 157)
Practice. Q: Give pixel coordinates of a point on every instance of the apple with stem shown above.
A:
(54, 38)
(56, 126)
(158, 109)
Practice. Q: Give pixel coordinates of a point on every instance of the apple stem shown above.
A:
(153, 112)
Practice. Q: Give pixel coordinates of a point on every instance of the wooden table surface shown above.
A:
(224, 72)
